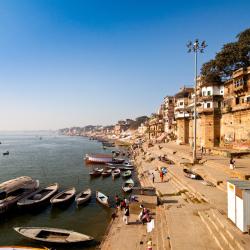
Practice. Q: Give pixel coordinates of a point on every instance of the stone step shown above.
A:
(160, 229)
(222, 221)
(212, 230)
(222, 232)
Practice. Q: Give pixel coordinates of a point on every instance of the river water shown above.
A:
(52, 159)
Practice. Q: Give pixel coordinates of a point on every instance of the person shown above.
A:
(161, 175)
(126, 202)
(153, 177)
(126, 215)
(117, 201)
(231, 163)
(202, 150)
(122, 204)
(141, 213)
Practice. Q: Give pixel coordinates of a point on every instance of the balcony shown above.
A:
(181, 115)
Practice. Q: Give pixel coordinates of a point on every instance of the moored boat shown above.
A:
(14, 190)
(126, 168)
(63, 197)
(52, 235)
(96, 172)
(83, 196)
(98, 158)
(116, 173)
(127, 174)
(6, 153)
(107, 172)
(128, 185)
(38, 197)
(102, 198)
(127, 164)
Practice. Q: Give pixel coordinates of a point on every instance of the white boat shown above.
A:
(102, 198)
(127, 174)
(116, 173)
(39, 197)
(63, 197)
(128, 185)
(83, 196)
(52, 235)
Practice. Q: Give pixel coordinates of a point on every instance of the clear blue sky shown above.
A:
(66, 63)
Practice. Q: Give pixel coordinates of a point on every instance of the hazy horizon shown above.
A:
(74, 63)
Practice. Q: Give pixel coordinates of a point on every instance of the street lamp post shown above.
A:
(195, 47)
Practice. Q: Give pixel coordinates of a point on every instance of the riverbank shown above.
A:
(192, 213)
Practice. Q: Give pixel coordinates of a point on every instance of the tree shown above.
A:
(232, 56)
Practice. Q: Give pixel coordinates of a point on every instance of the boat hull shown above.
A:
(53, 235)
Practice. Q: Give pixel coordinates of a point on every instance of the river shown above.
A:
(52, 158)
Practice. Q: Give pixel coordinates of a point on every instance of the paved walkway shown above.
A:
(189, 213)
(192, 214)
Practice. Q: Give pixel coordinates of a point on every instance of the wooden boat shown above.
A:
(127, 174)
(102, 198)
(126, 168)
(83, 197)
(127, 164)
(98, 158)
(192, 175)
(118, 160)
(112, 167)
(63, 197)
(96, 172)
(107, 173)
(39, 197)
(52, 235)
(128, 185)
(6, 153)
(116, 173)
(22, 248)
(14, 190)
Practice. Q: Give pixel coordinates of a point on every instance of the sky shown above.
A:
(70, 63)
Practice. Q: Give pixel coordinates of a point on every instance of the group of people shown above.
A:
(123, 204)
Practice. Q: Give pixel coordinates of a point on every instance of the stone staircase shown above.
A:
(188, 195)
(221, 231)
(162, 237)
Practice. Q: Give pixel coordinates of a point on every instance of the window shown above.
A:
(242, 100)
(181, 103)
(248, 99)
(237, 100)
(209, 92)
(204, 93)
(208, 105)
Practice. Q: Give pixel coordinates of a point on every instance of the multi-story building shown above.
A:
(235, 122)
(182, 114)
(209, 101)
(168, 114)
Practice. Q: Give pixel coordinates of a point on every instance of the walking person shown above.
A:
(161, 175)
(126, 215)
